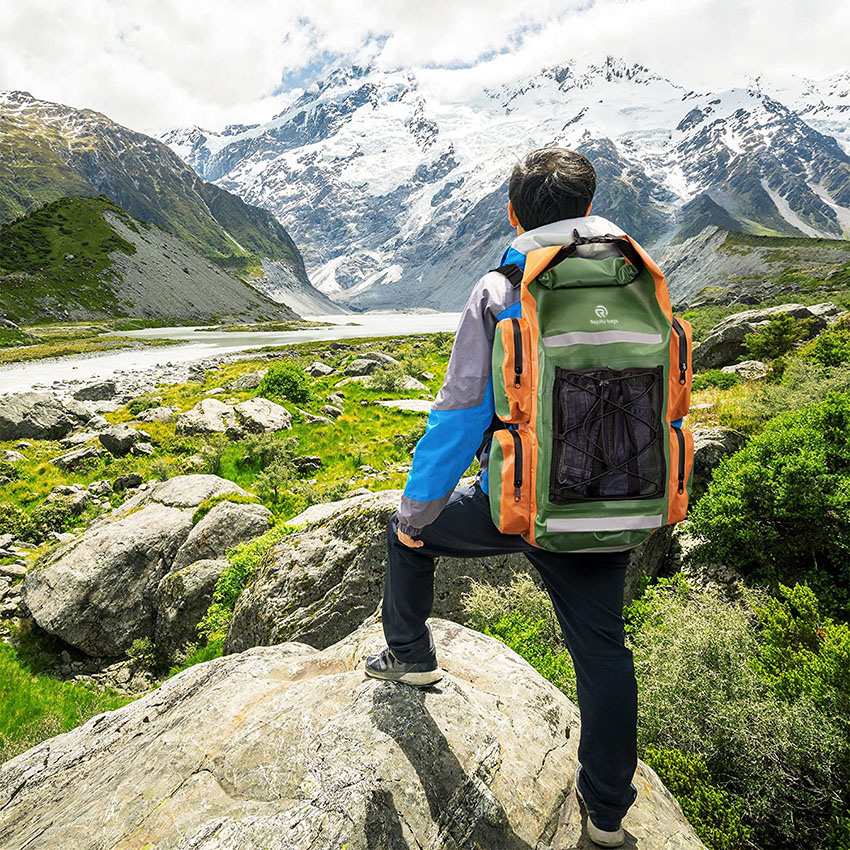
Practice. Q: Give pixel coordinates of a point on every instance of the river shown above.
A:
(197, 344)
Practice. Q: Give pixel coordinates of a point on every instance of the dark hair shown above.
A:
(551, 184)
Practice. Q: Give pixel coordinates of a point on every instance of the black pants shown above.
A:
(587, 594)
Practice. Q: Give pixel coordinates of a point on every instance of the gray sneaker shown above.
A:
(611, 835)
(385, 665)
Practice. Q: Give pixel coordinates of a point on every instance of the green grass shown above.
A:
(35, 705)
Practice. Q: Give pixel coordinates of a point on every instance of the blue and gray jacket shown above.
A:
(461, 421)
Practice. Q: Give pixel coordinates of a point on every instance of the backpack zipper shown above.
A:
(681, 439)
(517, 465)
(517, 352)
(683, 351)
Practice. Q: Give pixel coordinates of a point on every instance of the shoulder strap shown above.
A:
(512, 272)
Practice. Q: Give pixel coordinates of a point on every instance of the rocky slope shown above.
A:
(395, 189)
(86, 258)
(49, 150)
(292, 747)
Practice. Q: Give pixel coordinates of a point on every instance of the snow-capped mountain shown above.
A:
(395, 191)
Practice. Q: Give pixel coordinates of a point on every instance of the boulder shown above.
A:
(711, 445)
(39, 416)
(409, 384)
(77, 457)
(305, 464)
(287, 746)
(119, 439)
(125, 482)
(410, 405)
(321, 583)
(258, 415)
(330, 411)
(361, 366)
(208, 416)
(248, 382)
(379, 357)
(12, 456)
(101, 391)
(142, 449)
(226, 525)
(157, 414)
(748, 370)
(98, 592)
(182, 598)
(724, 344)
(318, 370)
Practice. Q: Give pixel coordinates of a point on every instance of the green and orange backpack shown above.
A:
(591, 383)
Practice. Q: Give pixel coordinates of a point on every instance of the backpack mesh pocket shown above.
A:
(608, 435)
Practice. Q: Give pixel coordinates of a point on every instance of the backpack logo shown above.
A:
(602, 312)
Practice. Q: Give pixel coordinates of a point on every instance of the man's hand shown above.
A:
(408, 541)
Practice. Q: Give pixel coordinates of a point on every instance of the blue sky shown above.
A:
(166, 63)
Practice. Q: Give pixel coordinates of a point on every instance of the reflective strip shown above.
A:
(601, 338)
(606, 548)
(604, 523)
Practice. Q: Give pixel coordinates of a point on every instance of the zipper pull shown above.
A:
(517, 376)
(517, 491)
(681, 483)
(683, 373)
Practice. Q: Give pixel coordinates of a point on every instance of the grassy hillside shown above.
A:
(48, 151)
(87, 258)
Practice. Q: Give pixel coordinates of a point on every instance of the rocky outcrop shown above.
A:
(258, 415)
(248, 382)
(119, 439)
(724, 344)
(208, 416)
(711, 445)
(287, 746)
(99, 592)
(101, 391)
(40, 416)
(748, 370)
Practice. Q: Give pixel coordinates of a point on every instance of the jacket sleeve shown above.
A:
(459, 417)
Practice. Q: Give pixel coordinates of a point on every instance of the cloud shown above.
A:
(172, 62)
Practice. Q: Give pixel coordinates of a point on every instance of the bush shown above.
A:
(8, 471)
(388, 378)
(50, 515)
(779, 509)
(782, 333)
(715, 378)
(287, 381)
(832, 346)
(714, 814)
(143, 652)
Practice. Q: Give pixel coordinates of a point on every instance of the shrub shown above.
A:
(407, 441)
(143, 652)
(50, 515)
(285, 380)
(714, 814)
(8, 471)
(782, 333)
(388, 378)
(142, 403)
(832, 346)
(715, 378)
(208, 504)
(779, 509)
(162, 469)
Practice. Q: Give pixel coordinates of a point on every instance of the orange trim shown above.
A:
(519, 397)
(537, 260)
(679, 395)
(540, 258)
(677, 503)
(513, 514)
(661, 292)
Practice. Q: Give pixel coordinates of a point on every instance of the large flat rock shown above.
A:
(290, 747)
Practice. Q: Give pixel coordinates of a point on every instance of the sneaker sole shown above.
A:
(419, 680)
(601, 837)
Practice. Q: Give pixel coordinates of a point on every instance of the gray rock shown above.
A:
(143, 449)
(248, 382)
(318, 370)
(330, 411)
(208, 416)
(78, 439)
(287, 746)
(157, 414)
(313, 419)
(182, 599)
(100, 391)
(12, 456)
(119, 439)
(305, 464)
(39, 416)
(125, 482)
(13, 570)
(77, 457)
(226, 525)
(361, 366)
(101, 488)
(97, 593)
(258, 415)
(711, 445)
(748, 370)
(379, 357)
(321, 583)
(724, 344)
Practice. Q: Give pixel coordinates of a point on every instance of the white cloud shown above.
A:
(175, 62)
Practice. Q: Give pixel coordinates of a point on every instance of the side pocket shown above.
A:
(512, 370)
(681, 370)
(681, 466)
(510, 481)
